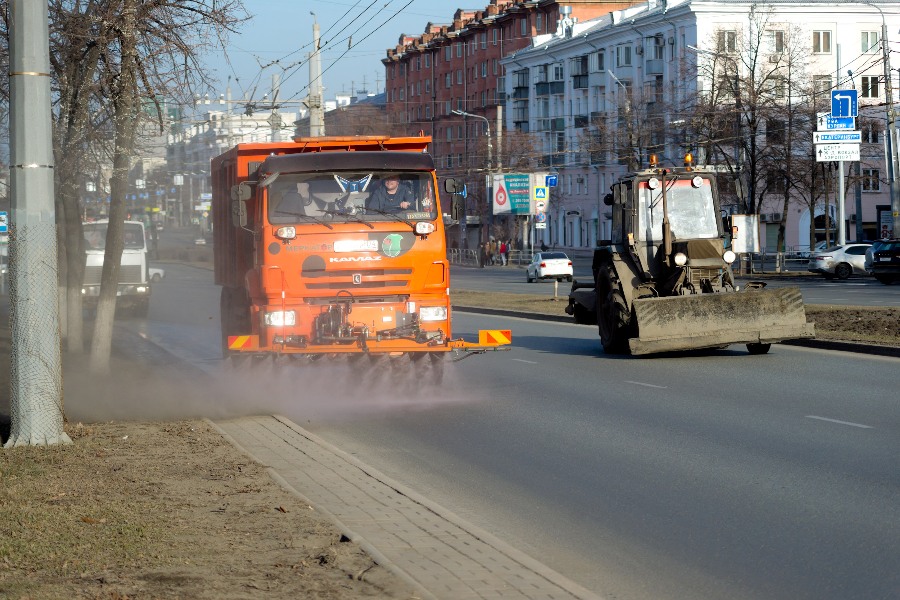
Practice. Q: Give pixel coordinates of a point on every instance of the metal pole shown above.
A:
(892, 126)
(314, 103)
(36, 375)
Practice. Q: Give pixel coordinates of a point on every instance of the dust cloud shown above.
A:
(143, 389)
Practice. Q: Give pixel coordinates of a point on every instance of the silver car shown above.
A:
(840, 261)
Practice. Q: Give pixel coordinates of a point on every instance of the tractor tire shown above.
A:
(758, 348)
(614, 320)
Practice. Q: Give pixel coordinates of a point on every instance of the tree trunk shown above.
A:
(125, 106)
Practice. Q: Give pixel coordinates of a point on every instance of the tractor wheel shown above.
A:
(843, 271)
(614, 320)
(758, 348)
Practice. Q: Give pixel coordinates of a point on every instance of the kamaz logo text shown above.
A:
(354, 259)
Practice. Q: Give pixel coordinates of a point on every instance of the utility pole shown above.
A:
(314, 101)
(892, 128)
(36, 383)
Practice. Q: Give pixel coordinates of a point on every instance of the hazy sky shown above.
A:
(279, 38)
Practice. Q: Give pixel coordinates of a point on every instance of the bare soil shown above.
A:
(171, 509)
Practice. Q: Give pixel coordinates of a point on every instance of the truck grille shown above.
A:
(370, 279)
(127, 274)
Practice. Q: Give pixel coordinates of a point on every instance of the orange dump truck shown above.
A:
(335, 246)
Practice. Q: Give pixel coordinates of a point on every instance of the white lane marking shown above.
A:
(659, 387)
(840, 422)
(529, 362)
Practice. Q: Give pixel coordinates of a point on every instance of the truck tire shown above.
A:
(234, 311)
(758, 348)
(141, 308)
(614, 320)
(582, 315)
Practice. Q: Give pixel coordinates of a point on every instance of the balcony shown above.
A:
(581, 121)
(653, 66)
(580, 82)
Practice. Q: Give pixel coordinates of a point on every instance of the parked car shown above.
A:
(549, 265)
(817, 248)
(886, 262)
(870, 254)
(840, 261)
(156, 274)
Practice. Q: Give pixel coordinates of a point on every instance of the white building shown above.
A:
(655, 56)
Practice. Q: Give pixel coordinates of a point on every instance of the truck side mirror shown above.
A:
(239, 213)
(456, 207)
(240, 191)
(452, 186)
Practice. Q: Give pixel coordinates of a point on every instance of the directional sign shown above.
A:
(837, 152)
(843, 103)
(551, 180)
(837, 137)
(826, 121)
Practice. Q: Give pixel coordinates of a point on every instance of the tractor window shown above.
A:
(351, 197)
(691, 210)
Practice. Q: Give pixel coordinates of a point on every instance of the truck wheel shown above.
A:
(885, 279)
(843, 271)
(581, 314)
(141, 308)
(614, 320)
(758, 348)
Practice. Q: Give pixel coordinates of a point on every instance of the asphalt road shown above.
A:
(705, 475)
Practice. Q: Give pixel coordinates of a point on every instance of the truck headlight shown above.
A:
(281, 318)
(286, 233)
(681, 259)
(432, 313)
(729, 256)
(424, 228)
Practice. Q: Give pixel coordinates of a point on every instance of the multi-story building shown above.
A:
(636, 74)
(457, 67)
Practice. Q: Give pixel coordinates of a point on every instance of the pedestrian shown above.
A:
(544, 247)
(493, 252)
(506, 245)
(502, 250)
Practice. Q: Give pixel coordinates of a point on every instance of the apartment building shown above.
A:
(634, 73)
(457, 67)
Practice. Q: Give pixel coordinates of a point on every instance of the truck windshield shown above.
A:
(691, 210)
(95, 236)
(351, 197)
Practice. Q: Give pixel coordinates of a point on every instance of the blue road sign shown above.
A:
(4, 221)
(843, 103)
(552, 180)
(830, 123)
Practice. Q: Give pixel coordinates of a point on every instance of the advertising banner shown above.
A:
(511, 194)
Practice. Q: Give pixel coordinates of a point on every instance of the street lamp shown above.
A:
(463, 113)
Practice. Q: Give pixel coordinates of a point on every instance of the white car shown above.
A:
(549, 265)
(839, 261)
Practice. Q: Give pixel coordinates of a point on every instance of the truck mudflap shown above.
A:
(489, 340)
(699, 321)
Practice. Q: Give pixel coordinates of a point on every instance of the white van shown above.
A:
(134, 272)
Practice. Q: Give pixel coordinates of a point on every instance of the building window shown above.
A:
(869, 41)
(418, 63)
(458, 50)
(427, 111)
(822, 85)
(495, 63)
(459, 103)
(448, 53)
(483, 41)
(598, 61)
(539, 22)
(448, 81)
(871, 182)
(559, 73)
(821, 42)
(776, 41)
(869, 134)
(447, 107)
(483, 99)
(524, 27)
(402, 92)
(459, 161)
(449, 134)
(427, 86)
(459, 76)
(494, 37)
(623, 56)
(484, 69)
(427, 61)
(869, 87)
(727, 41)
